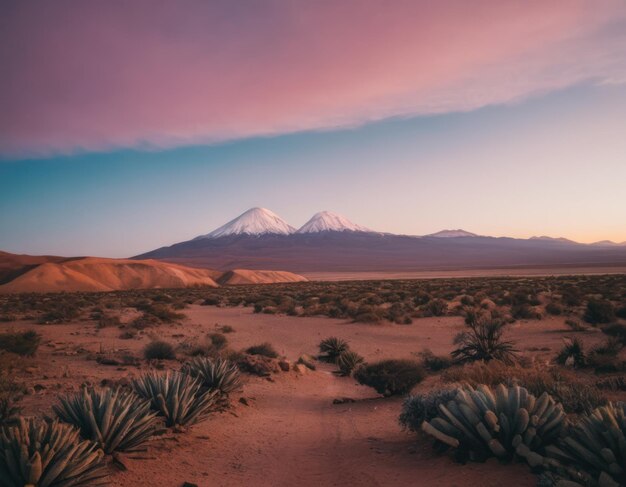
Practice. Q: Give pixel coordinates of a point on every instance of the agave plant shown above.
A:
(116, 420)
(332, 347)
(43, 453)
(216, 374)
(348, 361)
(176, 396)
(482, 422)
(483, 341)
(593, 451)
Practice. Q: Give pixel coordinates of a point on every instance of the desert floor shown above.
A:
(290, 432)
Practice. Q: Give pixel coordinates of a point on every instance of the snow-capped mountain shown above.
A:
(452, 234)
(255, 221)
(327, 221)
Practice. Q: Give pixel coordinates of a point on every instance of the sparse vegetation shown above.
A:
(423, 407)
(391, 377)
(48, 453)
(216, 374)
(348, 361)
(21, 342)
(332, 348)
(265, 349)
(159, 350)
(116, 420)
(483, 341)
(176, 396)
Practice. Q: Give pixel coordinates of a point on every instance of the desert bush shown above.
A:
(42, 453)
(391, 377)
(116, 420)
(106, 321)
(332, 347)
(525, 312)
(159, 350)
(554, 309)
(60, 312)
(423, 407)
(432, 362)
(483, 341)
(621, 312)
(575, 325)
(266, 349)
(599, 311)
(593, 451)
(176, 396)
(9, 410)
(505, 422)
(616, 330)
(227, 329)
(162, 312)
(348, 361)
(23, 343)
(573, 351)
(436, 307)
(216, 374)
(218, 340)
(614, 384)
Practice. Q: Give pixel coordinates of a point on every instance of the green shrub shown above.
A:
(573, 351)
(432, 362)
(483, 341)
(423, 407)
(116, 420)
(21, 342)
(218, 340)
(505, 422)
(348, 361)
(266, 349)
(599, 311)
(216, 374)
(159, 350)
(332, 347)
(48, 453)
(176, 396)
(391, 377)
(593, 451)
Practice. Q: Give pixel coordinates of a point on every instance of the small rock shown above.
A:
(108, 361)
(244, 401)
(39, 387)
(189, 484)
(343, 400)
(300, 369)
(284, 365)
(307, 361)
(30, 370)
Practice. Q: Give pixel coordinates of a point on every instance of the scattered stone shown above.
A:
(244, 401)
(300, 369)
(30, 370)
(343, 400)
(39, 387)
(307, 361)
(259, 365)
(189, 484)
(108, 361)
(284, 365)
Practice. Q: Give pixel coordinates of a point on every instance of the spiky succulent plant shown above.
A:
(216, 374)
(348, 360)
(332, 347)
(116, 420)
(176, 396)
(42, 453)
(593, 452)
(504, 422)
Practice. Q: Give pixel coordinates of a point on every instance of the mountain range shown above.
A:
(328, 242)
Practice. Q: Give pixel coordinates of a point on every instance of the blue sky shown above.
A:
(553, 164)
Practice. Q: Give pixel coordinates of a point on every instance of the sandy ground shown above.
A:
(521, 271)
(290, 433)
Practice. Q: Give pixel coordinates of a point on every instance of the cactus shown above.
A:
(347, 361)
(332, 347)
(216, 374)
(176, 396)
(116, 420)
(504, 422)
(41, 453)
(594, 449)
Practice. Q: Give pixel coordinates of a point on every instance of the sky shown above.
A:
(126, 126)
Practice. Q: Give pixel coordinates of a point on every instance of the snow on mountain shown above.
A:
(452, 234)
(327, 221)
(255, 221)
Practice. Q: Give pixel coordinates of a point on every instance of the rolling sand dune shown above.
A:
(97, 274)
(245, 276)
(27, 273)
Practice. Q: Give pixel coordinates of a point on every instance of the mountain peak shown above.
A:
(255, 221)
(327, 221)
(452, 234)
(553, 239)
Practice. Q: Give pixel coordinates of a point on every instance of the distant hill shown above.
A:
(59, 274)
(331, 243)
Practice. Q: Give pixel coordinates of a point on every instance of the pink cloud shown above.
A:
(95, 75)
